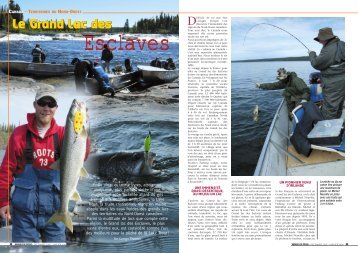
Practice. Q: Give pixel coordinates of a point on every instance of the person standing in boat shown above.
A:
(331, 63)
(83, 70)
(295, 91)
(103, 80)
(38, 55)
(107, 56)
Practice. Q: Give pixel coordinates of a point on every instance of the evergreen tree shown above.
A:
(126, 26)
(164, 23)
(16, 8)
(3, 17)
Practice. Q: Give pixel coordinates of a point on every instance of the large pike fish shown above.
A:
(255, 113)
(71, 161)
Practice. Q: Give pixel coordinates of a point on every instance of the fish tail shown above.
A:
(63, 217)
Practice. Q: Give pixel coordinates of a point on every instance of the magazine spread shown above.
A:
(102, 151)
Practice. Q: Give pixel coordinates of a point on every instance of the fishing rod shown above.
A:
(277, 28)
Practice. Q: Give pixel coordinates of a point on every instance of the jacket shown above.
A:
(295, 88)
(38, 55)
(43, 152)
(107, 55)
(84, 69)
(331, 60)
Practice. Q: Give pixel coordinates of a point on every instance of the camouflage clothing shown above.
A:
(295, 89)
(331, 63)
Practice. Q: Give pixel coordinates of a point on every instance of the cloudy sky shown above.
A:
(264, 41)
(158, 6)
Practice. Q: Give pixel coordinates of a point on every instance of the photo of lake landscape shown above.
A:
(260, 47)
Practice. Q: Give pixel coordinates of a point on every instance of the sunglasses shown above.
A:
(50, 103)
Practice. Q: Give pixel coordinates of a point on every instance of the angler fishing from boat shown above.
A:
(284, 152)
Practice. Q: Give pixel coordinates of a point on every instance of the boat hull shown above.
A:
(22, 68)
(118, 82)
(158, 75)
(273, 157)
(279, 158)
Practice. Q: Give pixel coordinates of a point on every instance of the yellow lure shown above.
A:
(78, 122)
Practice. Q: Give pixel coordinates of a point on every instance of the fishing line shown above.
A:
(277, 28)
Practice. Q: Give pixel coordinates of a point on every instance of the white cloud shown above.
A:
(265, 41)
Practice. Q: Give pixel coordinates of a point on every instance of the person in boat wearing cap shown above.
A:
(103, 80)
(83, 70)
(295, 91)
(331, 63)
(38, 55)
(31, 150)
(107, 56)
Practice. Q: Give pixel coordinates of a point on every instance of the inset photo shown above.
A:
(288, 96)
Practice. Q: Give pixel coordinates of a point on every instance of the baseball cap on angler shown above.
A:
(46, 91)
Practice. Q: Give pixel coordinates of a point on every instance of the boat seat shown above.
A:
(315, 95)
(298, 113)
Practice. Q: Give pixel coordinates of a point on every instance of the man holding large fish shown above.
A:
(29, 164)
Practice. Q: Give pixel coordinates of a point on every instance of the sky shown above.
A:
(98, 6)
(264, 41)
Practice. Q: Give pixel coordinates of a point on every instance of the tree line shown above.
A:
(4, 130)
(164, 23)
(4, 14)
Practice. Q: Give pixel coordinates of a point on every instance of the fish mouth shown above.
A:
(76, 105)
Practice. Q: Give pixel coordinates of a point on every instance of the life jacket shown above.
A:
(37, 55)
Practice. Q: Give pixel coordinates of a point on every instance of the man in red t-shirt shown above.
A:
(31, 150)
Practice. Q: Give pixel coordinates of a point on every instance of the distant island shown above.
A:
(299, 58)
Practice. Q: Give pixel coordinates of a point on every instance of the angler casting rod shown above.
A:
(277, 28)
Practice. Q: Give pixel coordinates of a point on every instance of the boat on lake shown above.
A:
(23, 68)
(279, 158)
(118, 82)
(158, 75)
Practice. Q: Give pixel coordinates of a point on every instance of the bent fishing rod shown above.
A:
(277, 28)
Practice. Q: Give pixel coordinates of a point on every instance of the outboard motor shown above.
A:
(315, 80)
(128, 65)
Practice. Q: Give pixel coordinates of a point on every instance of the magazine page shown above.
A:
(266, 165)
(89, 138)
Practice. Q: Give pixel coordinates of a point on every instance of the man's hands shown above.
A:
(5, 212)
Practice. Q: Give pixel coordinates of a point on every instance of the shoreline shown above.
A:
(3, 33)
(163, 97)
(70, 36)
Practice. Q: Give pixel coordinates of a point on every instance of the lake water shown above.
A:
(63, 51)
(247, 135)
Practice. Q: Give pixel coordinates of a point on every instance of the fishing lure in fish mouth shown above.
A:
(78, 122)
(147, 142)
